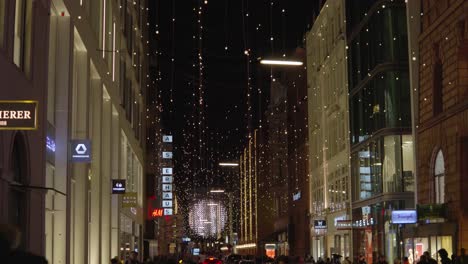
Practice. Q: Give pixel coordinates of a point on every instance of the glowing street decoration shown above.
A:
(207, 217)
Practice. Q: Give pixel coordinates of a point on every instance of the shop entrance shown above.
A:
(415, 247)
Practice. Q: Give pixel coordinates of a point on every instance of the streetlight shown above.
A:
(228, 164)
(217, 191)
(281, 62)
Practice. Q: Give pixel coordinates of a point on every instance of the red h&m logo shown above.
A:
(157, 212)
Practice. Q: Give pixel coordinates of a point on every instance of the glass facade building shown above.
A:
(382, 156)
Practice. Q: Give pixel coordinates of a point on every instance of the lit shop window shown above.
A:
(439, 178)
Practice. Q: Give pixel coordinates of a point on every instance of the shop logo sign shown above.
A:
(118, 186)
(18, 115)
(81, 151)
(404, 217)
(320, 224)
(158, 212)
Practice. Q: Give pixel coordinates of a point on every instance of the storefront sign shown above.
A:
(129, 200)
(167, 187)
(158, 212)
(167, 203)
(404, 217)
(297, 196)
(167, 139)
(81, 150)
(167, 155)
(343, 224)
(167, 195)
(167, 171)
(168, 211)
(118, 186)
(320, 224)
(167, 179)
(18, 115)
(363, 223)
(186, 239)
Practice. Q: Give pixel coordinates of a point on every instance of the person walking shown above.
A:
(463, 256)
(133, 258)
(9, 248)
(444, 259)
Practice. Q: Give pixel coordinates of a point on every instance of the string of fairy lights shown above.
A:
(198, 143)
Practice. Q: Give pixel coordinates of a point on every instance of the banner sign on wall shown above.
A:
(80, 150)
(168, 211)
(167, 155)
(167, 203)
(18, 115)
(167, 171)
(167, 187)
(167, 195)
(129, 199)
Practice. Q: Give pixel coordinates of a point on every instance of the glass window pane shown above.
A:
(408, 163)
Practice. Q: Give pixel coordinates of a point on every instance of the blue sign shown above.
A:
(81, 150)
(404, 217)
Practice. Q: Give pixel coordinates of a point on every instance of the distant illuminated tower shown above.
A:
(207, 218)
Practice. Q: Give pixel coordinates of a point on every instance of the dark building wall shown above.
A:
(24, 205)
(298, 194)
(443, 108)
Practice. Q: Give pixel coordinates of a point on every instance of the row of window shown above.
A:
(384, 165)
(383, 103)
(384, 39)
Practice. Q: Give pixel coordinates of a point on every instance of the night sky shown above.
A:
(229, 28)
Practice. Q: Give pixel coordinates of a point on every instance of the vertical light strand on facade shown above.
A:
(113, 51)
(250, 189)
(104, 29)
(245, 195)
(241, 166)
(255, 184)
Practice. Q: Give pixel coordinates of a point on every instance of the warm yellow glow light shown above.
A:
(229, 164)
(281, 62)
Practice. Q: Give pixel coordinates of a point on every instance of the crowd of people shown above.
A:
(10, 252)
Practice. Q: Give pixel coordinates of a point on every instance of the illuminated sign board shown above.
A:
(167, 155)
(129, 200)
(168, 211)
(18, 115)
(167, 203)
(167, 171)
(297, 196)
(196, 251)
(167, 195)
(320, 224)
(118, 186)
(167, 139)
(167, 187)
(343, 224)
(404, 217)
(81, 150)
(158, 212)
(167, 179)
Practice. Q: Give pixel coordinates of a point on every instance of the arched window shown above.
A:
(439, 178)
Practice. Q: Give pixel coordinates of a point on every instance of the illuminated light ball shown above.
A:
(207, 217)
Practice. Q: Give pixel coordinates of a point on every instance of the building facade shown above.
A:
(84, 62)
(382, 144)
(440, 73)
(329, 171)
(298, 153)
(23, 152)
